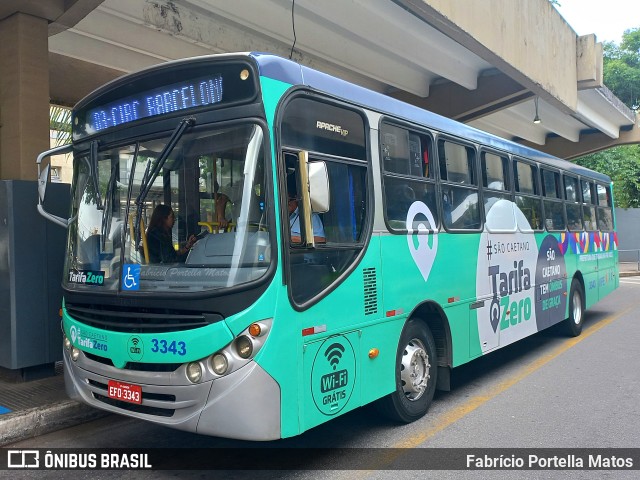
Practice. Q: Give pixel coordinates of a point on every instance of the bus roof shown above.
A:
(285, 70)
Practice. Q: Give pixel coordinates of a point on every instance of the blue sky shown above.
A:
(608, 19)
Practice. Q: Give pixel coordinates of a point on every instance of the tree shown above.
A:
(622, 68)
(60, 123)
(622, 76)
(622, 164)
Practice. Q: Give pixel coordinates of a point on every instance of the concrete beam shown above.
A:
(47, 9)
(495, 92)
(75, 11)
(86, 78)
(589, 62)
(529, 41)
(590, 142)
(61, 14)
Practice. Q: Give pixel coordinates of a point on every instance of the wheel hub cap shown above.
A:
(414, 372)
(577, 308)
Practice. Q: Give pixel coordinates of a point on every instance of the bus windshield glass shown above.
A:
(200, 224)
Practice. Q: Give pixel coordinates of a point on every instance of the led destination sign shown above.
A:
(184, 95)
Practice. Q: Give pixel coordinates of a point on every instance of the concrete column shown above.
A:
(24, 95)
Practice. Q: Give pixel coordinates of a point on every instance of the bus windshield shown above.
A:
(212, 184)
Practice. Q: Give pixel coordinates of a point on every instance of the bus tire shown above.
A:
(415, 375)
(573, 324)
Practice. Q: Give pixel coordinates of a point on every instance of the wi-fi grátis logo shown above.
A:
(333, 375)
(334, 354)
(135, 348)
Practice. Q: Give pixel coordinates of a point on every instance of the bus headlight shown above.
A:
(67, 343)
(219, 363)
(194, 372)
(75, 353)
(238, 353)
(244, 346)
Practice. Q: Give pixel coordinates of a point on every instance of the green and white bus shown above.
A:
(421, 244)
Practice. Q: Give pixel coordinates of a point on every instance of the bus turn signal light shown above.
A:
(255, 330)
(373, 353)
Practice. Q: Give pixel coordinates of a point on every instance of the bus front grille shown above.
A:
(146, 320)
(136, 366)
(132, 407)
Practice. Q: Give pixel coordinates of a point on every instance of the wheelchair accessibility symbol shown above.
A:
(131, 277)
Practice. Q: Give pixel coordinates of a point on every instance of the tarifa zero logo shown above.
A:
(505, 277)
(524, 283)
(420, 233)
(333, 375)
(88, 339)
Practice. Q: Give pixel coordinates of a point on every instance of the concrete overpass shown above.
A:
(487, 63)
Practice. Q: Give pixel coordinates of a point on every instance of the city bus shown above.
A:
(421, 244)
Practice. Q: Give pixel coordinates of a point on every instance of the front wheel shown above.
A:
(573, 324)
(416, 374)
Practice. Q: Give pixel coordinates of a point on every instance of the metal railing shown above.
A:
(629, 260)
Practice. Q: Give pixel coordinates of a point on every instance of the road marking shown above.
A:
(479, 400)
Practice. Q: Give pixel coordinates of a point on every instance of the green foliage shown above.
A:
(60, 122)
(622, 164)
(622, 77)
(622, 68)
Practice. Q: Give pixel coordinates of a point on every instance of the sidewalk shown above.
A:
(629, 269)
(29, 409)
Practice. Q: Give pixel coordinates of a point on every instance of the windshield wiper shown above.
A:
(107, 213)
(132, 173)
(162, 158)
(152, 171)
(93, 172)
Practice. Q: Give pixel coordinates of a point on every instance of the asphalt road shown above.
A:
(547, 391)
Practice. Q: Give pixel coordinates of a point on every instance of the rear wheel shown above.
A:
(416, 375)
(573, 324)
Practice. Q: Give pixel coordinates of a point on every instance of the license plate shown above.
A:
(125, 392)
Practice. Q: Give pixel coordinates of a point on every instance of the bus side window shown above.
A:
(588, 206)
(495, 180)
(314, 269)
(407, 176)
(572, 205)
(605, 217)
(553, 206)
(527, 193)
(460, 202)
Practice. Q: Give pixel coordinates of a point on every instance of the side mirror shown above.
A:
(319, 187)
(43, 180)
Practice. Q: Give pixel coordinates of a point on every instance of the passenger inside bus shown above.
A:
(294, 223)
(399, 200)
(159, 237)
(223, 202)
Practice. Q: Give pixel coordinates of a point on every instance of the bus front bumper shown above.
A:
(242, 405)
